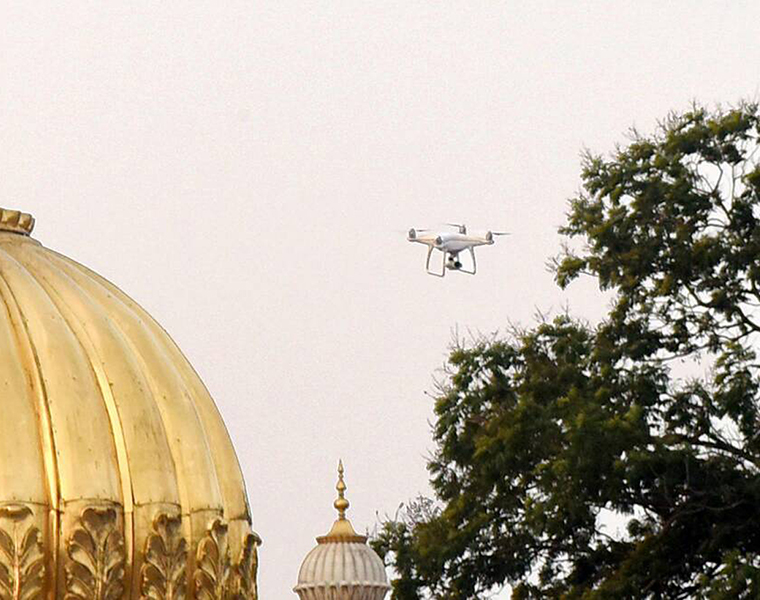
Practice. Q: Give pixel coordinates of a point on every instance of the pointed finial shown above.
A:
(341, 504)
(342, 530)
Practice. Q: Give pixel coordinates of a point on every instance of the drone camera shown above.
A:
(453, 263)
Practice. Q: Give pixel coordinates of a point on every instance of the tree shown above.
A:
(549, 437)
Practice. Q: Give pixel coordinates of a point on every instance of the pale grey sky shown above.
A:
(246, 170)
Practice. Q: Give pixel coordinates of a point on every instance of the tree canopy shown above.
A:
(578, 461)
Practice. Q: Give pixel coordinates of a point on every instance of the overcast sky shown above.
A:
(246, 171)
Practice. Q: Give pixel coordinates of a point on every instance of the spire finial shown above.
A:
(341, 504)
(342, 530)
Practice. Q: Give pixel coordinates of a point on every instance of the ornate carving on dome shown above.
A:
(213, 573)
(16, 221)
(164, 572)
(95, 569)
(22, 561)
(246, 569)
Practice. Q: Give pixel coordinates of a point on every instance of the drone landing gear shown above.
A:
(427, 264)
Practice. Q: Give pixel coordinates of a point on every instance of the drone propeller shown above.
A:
(407, 230)
(462, 228)
(490, 234)
(412, 233)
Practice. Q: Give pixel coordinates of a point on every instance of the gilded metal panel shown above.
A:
(222, 453)
(20, 436)
(124, 386)
(85, 452)
(185, 433)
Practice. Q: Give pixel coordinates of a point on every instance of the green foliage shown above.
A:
(543, 435)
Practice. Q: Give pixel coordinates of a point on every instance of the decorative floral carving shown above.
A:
(95, 570)
(22, 561)
(213, 570)
(246, 569)
(164, 572)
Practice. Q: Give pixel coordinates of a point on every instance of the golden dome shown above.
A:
(118, 478)
(342, 566)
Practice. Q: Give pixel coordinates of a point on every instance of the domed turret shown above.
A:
(118, 479)
(342, 566)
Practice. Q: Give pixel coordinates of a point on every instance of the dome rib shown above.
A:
(24, 344)
(21, 437)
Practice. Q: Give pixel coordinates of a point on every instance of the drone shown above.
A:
(451, 244)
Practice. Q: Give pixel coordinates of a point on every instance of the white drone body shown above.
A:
(451, 244)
